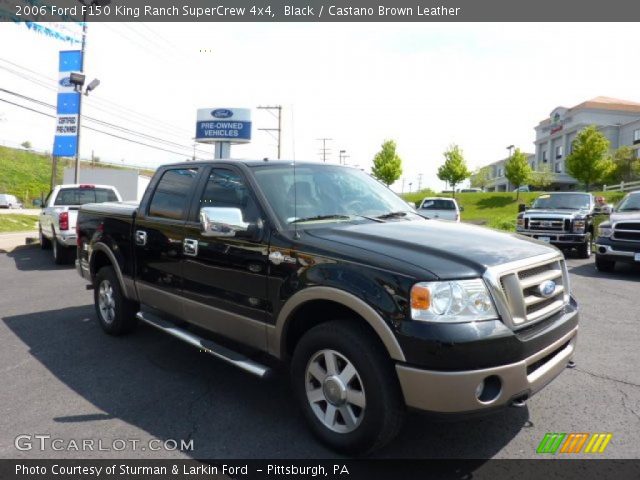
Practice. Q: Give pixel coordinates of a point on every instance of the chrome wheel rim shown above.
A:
(335, 391)
(106, 302)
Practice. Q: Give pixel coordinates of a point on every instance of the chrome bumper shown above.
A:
(66, 240)
(455, 392)
(609, 250)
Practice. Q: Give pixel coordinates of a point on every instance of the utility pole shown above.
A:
(402, 185)
(278, 115)
(324, 151)
(419, 182)
(341, 156)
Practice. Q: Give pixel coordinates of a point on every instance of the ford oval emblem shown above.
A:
(546, 289)
(66, 82)
(222, 113)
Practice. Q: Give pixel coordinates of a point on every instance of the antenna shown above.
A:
(296, 235)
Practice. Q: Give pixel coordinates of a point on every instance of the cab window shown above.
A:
(226, 188)
(171, 197)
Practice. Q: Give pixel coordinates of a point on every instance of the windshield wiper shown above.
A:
(393, 215)
(321, 217)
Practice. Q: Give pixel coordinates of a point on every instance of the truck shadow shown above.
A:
(31, 257)
(623, 271)
(157, 384)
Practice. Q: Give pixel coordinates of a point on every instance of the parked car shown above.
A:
(9, 201)
(619, 237)
(470, 190)
(440, 208)
(563, 219)
(320, 266)
(57, 223)
(523, 188)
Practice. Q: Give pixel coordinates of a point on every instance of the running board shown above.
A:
(234, 358)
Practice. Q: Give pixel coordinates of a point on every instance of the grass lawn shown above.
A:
(14, 222)
(500, 209)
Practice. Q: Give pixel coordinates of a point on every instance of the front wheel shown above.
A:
(604, 264)
(347, 387)
(116, 313)
(584, 250)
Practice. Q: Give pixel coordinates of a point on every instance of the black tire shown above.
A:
(604, 264)
(383, 412)
(120, 317)
(60, 253)
(45, 243)
(584, 250)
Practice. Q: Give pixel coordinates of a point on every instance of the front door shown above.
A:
(225, 278)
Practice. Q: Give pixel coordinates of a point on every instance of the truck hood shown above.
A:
(554, 213)
(624, 216)
(447, 250)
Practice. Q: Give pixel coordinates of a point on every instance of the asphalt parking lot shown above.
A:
(61, 376)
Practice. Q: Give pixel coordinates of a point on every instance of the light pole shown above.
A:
(86, 5)
(510, 150)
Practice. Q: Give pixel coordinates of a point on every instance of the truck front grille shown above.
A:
(547, 224)
(628, 231)
(524, 295)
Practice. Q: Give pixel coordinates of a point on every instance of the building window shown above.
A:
(636, 136)
(544, 156)
(559, 151)
(558, 167)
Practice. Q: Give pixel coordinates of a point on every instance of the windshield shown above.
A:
(630, 203)
(325, 193)
(438, 204)
(80, 196)
(560, 201)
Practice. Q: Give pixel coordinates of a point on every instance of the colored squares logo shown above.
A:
(554, 443)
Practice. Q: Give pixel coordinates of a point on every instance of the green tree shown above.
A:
(26, 145)
(589, 161)
(481, 177)
(517, 170)
(542, 178)
(454, 169)
(387, 165)
(626, 167)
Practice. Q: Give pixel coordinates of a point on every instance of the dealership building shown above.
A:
(618, 120)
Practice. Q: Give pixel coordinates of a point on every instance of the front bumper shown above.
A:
(617, 251)
(557, 238)
(455, 391)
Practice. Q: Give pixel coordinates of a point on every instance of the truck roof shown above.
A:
(254, 163)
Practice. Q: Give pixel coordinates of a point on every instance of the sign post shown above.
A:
(222, 127)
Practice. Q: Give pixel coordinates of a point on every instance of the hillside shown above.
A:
(27, 175)
(497, 210)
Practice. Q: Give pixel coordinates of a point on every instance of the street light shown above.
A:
(80, 77)
(510, 149)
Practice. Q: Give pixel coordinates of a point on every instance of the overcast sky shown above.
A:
(424, 85)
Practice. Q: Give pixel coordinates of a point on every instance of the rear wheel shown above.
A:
(45, 243)
(604, 264)
(347, 387)
(60, 252)
(116, 313)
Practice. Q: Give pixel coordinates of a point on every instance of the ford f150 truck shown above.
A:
(374, 307)
(619, 238)
(563, 219)
(57, 222)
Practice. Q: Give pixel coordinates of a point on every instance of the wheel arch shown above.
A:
(315, 305)
(102, 256)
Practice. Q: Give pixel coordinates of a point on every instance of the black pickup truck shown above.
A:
(563, 219)
(374, 307)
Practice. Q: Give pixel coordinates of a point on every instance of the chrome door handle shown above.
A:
(190, 247)
(141, 237)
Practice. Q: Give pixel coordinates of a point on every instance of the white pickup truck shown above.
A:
(57, 229)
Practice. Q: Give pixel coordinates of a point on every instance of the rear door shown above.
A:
(225, 278)
(158, 236)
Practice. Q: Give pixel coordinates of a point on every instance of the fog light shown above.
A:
(489, 389)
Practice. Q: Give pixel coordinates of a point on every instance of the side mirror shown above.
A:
(37, 203)
(222, 222)
(418, 204)
(461, 208)
(522, 208)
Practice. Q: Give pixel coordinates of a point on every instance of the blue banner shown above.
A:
(223, 130)
(65, 143)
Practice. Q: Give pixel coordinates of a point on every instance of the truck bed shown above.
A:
(120, 209)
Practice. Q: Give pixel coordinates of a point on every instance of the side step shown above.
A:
(212, 348)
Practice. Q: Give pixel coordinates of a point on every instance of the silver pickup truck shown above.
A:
(57, 223)
(619, 237)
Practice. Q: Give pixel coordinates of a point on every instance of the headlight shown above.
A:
(455, 301)
(579, 226)
(520, 222)
(605, 231)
